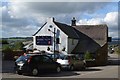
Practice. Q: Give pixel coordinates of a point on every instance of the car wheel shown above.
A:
(84, 67)
(58, 69)
(71, 67)
(35, 72)
(19, 72)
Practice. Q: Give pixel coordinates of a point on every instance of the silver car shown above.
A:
(71, 61)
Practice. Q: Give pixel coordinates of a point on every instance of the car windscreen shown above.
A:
(58, 56)
(52, 56)
(23, 58)
(63, 57)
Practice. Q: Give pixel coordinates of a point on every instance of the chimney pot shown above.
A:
(73, 22)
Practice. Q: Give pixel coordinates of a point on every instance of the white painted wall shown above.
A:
(72, 44)
(59, 34)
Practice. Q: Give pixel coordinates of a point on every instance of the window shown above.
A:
(37, 59)
(46, 59)
(57, 40)
(50, 26)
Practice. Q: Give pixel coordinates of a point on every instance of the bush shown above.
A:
(4, 41)
(117, 50)
(88, 56)
(18, 46)
(7, 53)
(6, 48)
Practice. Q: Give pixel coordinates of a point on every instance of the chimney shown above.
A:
(73, 22)
(50, 19)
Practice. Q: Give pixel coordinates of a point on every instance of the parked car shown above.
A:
(70, 61)
(35, 64)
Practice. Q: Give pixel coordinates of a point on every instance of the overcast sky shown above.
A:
(21, 19)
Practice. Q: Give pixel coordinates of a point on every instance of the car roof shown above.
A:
(69, 54)
(63, 54)
(32, 54)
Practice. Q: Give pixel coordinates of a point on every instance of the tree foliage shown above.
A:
(88, 56)
(6, 48)
(7, 52)
(18, 45)
(4, 41)
(117, 50)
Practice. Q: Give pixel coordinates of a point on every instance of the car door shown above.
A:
(48, 63)
(80, 62)
(76, 61)
(81, 58)
(37, 62)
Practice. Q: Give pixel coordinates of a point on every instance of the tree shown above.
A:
(18, 46)
(6, 48)
(4, 41)
(7, 52)
(117, 50)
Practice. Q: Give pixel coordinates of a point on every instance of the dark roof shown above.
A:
(98, 33)
(40, 29)
(68, 30)
(85, 44)
(91, 38)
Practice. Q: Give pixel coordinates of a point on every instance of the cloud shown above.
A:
(92, 21)
(22, 31)
(111, 19)
(17, 26)
(63, 1)
(24, 18)
(11, 22)
(53, 8)
(114, 34)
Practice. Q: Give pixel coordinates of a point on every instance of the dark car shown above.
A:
(35, 64)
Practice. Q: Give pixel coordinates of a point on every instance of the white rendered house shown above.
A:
(75, 39)
(55, 36)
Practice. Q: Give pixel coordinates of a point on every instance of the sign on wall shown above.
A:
(43, 40)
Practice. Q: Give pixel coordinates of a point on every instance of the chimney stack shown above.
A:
(50, 19)
(73, 22)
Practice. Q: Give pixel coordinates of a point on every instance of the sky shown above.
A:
(23, 19)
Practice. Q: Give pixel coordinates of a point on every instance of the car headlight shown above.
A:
(20, 63)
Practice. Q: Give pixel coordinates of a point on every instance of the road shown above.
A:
(109, 71)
